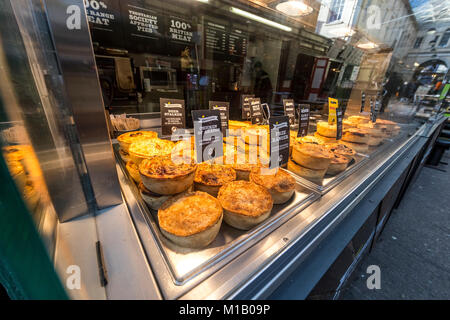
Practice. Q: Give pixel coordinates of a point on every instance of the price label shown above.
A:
(279, 141)
(303, 115)
(339, 118)
(332, 107)
(224, 108)
(173, 115)
(245, 104)
(207, 134)
(289, 110)
(363, 101)
(256, 111)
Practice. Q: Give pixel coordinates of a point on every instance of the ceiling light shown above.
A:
(343, 31)
(260, 19)
(294, 8)
(431, 31)
(367, 45)
(416, 64)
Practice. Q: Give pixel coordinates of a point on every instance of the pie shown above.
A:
(210, 177)
(324, 139)
(312, 156)
(341, 149)
(161, 175)
(356, 135)
(256, 135)
(358, 147)
(148, 148)
(338, 164)
(278, 182)
(154, 200)
(133, 170)
(126, 139)
(191, 219)
(327, 130)
(310, 174)
(245, 204)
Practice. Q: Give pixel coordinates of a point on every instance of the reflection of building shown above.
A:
(429, 58)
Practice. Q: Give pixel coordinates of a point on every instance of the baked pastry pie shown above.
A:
(324, 139)
(358, 119)
(148, 148)
(347, 124)
(356, 135)
(327, 130)
(310, 174)
(312, 156)
(210, 177)
(17, 172)
(235, 127)
(154, 200)
(280, 184)
(309, 139)
(163, 176)
(373, 129)
(245, 204)
(338, 164)
(191, 219)
(133, 170)
(342, 150)
(124, 155)
(126, 139)
(358, 147)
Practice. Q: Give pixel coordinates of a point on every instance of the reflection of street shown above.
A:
(398, 109)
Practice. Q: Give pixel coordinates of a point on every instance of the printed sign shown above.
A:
(208, 134)
(245, 104)
(339, 118)
(332, 106)
(172, 115)
(279, 141)
(224, 108)
(373, 116)
(289, 110)
(256, 112)
(303, 110)
(363, 101)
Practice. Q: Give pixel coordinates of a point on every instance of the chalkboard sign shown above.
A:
(303, 110)
(215, 37)
(279, 141)
(237, 43)
(208, 134)
(245, 104)
(289, 110)
(373, 115)
(363, 101)
(256, 112)
(105, 22)
(172, 115)
(224, 108)
(339, 118)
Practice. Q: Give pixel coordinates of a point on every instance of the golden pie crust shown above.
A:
(358, 119)
(256, 135)
(324, 139)
(327, 130)
(191, 219)
(310, 174)
(148, 148)
(245, 204)
(338, 164)
(358, 147)
(210, 177)
(126, 139)
(356, 135)
(312, 156)
(278, 182)
(133, 170)
(163, 176)
(341, 149)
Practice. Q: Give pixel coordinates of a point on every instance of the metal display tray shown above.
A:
(185, 264)
(329, 182)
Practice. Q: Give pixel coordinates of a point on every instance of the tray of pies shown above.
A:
(321, 161)
(204, 214)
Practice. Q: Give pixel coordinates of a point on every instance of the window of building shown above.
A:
(444, 40)
(418, 42)
(336, 9)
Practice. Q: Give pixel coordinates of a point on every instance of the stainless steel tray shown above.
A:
(185, 264)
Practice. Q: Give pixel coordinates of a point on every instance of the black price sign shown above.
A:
(363, 101)
(208, 134)
(215, 37)
(279, 141)
(256, 111)
(339, 118)
(373, 112)
(289, 110)
(224, 108)
(172, 115)
(303, 116)
(245, 103)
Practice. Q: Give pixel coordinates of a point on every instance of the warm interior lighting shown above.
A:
(260, 19)
(294, 8)
(431, 31)
(367, 45)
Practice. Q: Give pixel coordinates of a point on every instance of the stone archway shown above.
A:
(431, 71)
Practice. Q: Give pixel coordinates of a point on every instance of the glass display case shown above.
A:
(99, 96)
